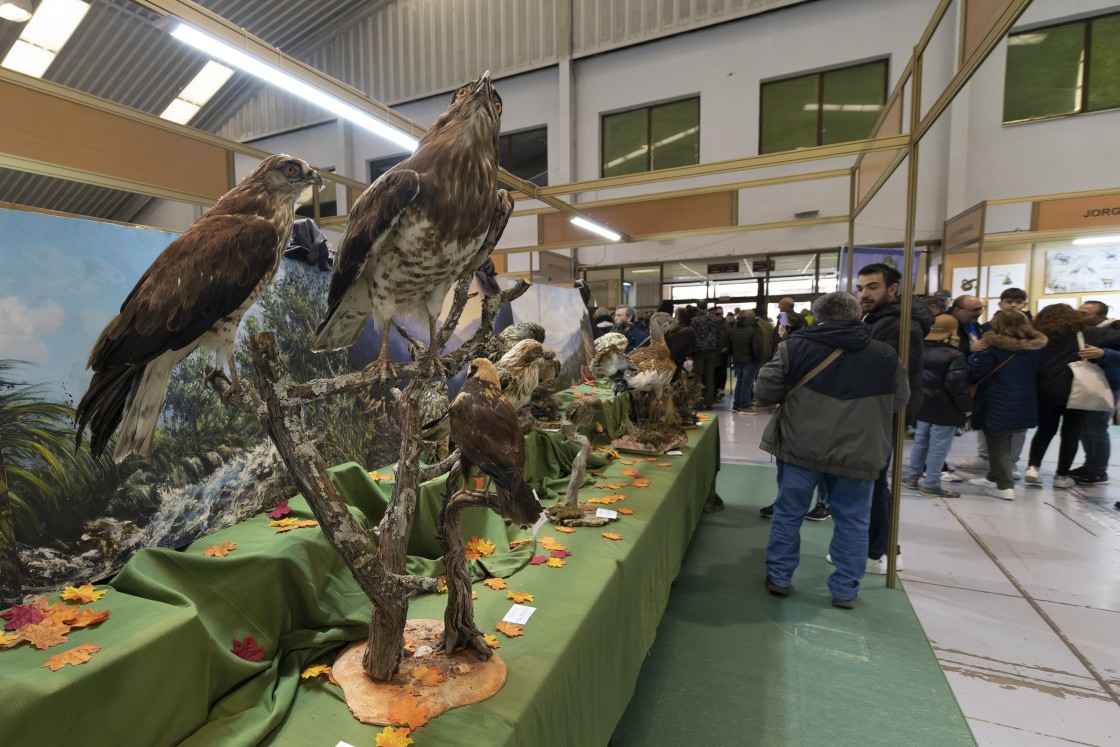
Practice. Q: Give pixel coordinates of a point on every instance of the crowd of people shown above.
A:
(836, 373)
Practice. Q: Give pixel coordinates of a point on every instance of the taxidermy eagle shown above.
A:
(192, 296)
(425, 223)
(485, 428)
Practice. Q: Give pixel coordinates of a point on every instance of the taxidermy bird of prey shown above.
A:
(611, 340)
(485, 428)
(193, 296)
(425, 223)
(611, 363)
(519, 372)
(654, 367)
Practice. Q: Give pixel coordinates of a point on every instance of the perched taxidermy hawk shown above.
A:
(519, 372)
(425, 223)
(193, 296)
(485, 428)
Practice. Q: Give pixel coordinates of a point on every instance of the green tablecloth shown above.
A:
(165, 674)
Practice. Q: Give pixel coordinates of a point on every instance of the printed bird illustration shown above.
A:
(519, 372)
(485, 428)
(193, 296)
(425, 223)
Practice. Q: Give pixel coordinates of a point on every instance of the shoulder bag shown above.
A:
(1090, 390)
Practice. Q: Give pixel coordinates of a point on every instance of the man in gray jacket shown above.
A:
(834, 425)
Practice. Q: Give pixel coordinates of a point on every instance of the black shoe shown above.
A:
(773, 588)
(844, 604)
(1078, 471)
(1090, 478)
(819, 512)
(767, 512)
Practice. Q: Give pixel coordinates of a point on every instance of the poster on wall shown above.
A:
(967, 280)
(1086, 268)
(1002, 277)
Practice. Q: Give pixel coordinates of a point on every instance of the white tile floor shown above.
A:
(1020, 600)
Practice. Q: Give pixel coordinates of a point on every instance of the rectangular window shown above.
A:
(525, 154)
(1064, 69)
(651, 138)
(378, 166)
(834, 106)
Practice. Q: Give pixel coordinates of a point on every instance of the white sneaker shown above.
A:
(1063, 481)
(982, 482)
(951, 476)
(1030, 477)
(879, 567)
(1007, 494)
(973, 464)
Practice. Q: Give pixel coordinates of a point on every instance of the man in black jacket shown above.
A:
(878, 288)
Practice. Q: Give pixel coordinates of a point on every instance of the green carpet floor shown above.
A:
(733, 666)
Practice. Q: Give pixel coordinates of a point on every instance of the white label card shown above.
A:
(673, 452)
(519, 614)
(540, 522)
(606, 513)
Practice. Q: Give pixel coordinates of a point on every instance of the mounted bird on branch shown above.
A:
(425, 223)
(193, 296)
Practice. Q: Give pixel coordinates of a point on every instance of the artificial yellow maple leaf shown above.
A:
(287, 521)
(72, 656)
(409, 711)
(390, 737)
(298, 525)
(219, 551)
(565, 530)
(624, 510)
(519, 596)
(612, 536)
(82, 594)
(315, 670)
(616, 486)
(476, 548)
(640, 483)
(378, 477)
(86, 617)
(45, 634)
(628, 461)
(496, 584)
(519, 543)
(550, 543)
(7, 640)
(556, 563)
(509, 629)
(428, 676)
(491, 640)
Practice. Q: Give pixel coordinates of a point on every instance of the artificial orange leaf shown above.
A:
(61, 613)
(219, 551)
(476, 548)
(85, 617)
(409, 711)
(629, 472)
(316, 670)
(519, 543)
(509, 629)
(566, 530)
(285, 522)
(651, 459)
(627, 461)
(378, 477)
(428, 676)
(491, 640)
(7, 640)
(608, 499)
(474, 594)
(616, 486)
(298, 525)
(599, 485)
(556, 563)
(664, 464)
(72, 656)
(612, 536)
(82, 594)
(624, 510)
(495, 583)
(519, 596)
(640, 483)
(45, 634)
(479, 482)
(550, 543)
(390, 737)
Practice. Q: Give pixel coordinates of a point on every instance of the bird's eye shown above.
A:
(461, 92)
(498, 106)
(290, 169)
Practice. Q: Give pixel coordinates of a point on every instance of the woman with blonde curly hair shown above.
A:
(1061, 323)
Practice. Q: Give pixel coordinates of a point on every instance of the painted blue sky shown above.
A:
(61, 281)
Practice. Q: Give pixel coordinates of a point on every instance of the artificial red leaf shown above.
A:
(428, 676)
(612, 536)
(22, 614)
(72, 656)
(556, 563)
(491, 640)
(566, 530)
(519, 596)
(7, 640)
(624, 510)
(409, 711)
(476, 548)
(509, 629)
(495, 583)
(83, 618)
(538, 559)
(280, 510)
(390, 737)
(220, 551)
(45, 634)
(298, 525)
(248, 649)
(560, 554)
(83, 594)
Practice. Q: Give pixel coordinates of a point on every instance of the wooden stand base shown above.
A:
(468, 679)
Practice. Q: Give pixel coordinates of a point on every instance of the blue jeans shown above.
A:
(850, 502)
(1098, 448)
(931, 446)
(744, 384)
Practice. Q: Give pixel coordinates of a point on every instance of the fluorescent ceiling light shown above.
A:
(596, 228)
(290, 84)
(1090, 240)
(15, 10)
(200, 90)
(44, 35)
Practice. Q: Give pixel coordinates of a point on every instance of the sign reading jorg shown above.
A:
(1076, 212)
